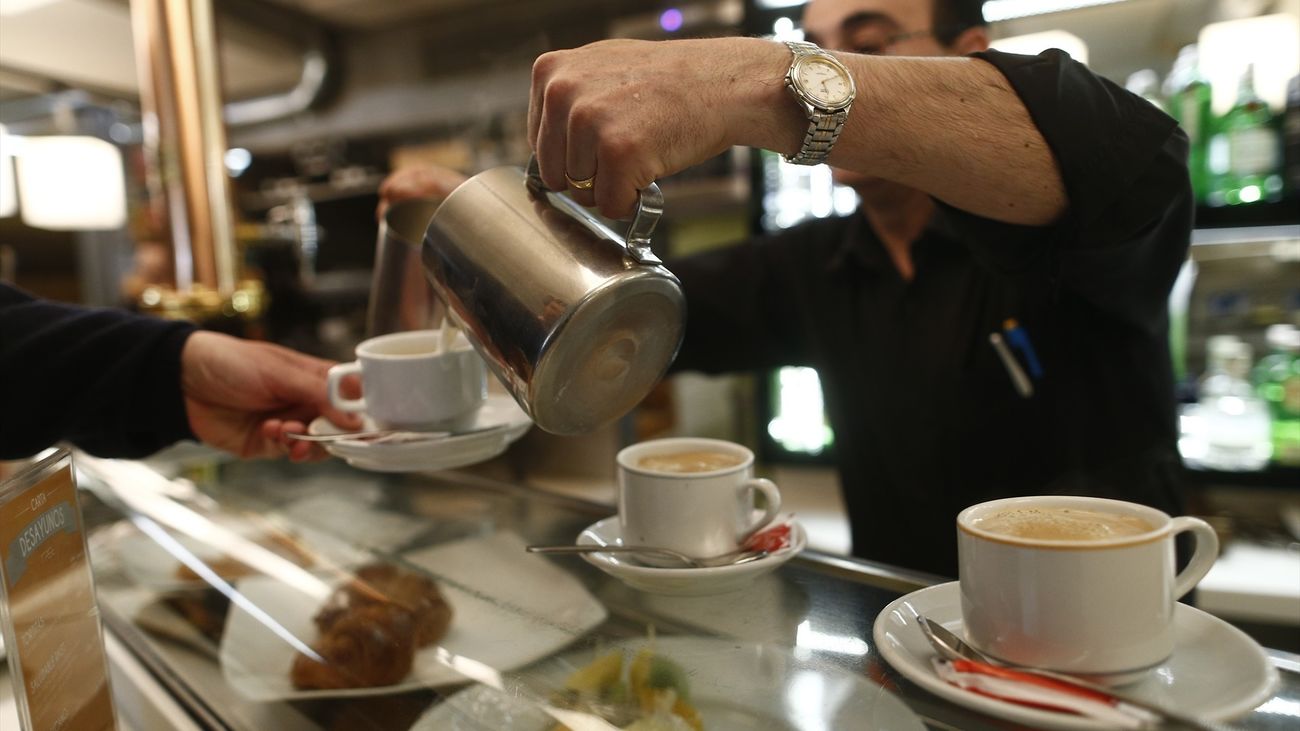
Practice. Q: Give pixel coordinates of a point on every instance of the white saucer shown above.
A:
(1216, 672)
(499, 411)
(681, 582)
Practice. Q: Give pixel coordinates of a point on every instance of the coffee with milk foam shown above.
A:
(1062, 524)
(694, 461)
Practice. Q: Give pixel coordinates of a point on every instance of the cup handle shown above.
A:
(773, 495)
(336, 375)
(1207, 550)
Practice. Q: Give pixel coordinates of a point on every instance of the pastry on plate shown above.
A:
(367, 647)
(370, 629)
(388, 584)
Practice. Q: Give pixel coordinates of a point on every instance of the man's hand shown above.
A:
(630, 112)
(243, 396)
(432, 182)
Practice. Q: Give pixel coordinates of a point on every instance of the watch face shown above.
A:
(825, 82)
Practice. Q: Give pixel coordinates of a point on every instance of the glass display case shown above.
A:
(265, 595)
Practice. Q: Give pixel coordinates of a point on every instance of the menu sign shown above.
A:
(47, 603)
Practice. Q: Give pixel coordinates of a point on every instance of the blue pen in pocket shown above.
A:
(1018, 338)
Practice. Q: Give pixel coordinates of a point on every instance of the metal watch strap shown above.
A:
(802, 48)
(823, 127)
(823, 130)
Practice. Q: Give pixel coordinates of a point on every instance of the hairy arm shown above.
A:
(952, 127)
(629, 112)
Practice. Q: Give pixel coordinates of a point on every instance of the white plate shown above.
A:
(509, 608)
(1216, 672)
(681, 582)
(506, 421)
(736, 686)
(148, 564)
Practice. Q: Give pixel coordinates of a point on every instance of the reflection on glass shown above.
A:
(195, 564)
(1281, 707)
(811, 639)
(805, 696)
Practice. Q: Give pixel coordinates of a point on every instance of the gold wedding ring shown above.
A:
(584, 184)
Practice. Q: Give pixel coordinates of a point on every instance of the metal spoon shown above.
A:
(732, 558)
(955, 648)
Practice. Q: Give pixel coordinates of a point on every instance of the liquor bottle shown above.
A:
(1187, 99)
(1234, 419)
(1277, 381)
(1291, 138)
(1254, 165)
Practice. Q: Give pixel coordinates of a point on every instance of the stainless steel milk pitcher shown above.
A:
(578, 323)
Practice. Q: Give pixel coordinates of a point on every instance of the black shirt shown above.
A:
(925, 415)
(106, 380)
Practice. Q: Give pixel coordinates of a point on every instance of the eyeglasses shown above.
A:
(873, 44)
(875, 38)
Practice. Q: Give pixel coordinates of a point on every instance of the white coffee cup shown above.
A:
(406, 383)
(700, 514)
(1101, 607)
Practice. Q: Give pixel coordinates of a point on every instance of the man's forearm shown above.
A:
(952, 127)
(625, 113)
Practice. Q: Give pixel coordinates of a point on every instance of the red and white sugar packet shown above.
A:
(775, 537)
(1043, 693)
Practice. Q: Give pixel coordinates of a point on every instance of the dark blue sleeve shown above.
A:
(106, 380)
(1124, 165)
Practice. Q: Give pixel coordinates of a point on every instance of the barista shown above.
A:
(1016, 196)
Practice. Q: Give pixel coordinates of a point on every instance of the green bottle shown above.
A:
(1252, 144)
(1187, 99)
(1277, 381)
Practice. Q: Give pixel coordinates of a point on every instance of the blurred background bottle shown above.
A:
(1247, 135)
(1146, 84)
(1187, 99)
(1291, 137)
(1234, 420)
(1277, 381)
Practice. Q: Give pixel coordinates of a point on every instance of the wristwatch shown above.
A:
(824, 88)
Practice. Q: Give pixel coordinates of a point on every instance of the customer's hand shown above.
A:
(244, 396)
(433, 182)
(627, 113)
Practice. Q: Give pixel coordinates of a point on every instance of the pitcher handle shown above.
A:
(649, 209)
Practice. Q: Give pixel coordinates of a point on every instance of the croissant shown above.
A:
(386, 584)
(367, 646)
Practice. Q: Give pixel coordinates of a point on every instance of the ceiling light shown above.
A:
(671, 20)
(995, 10)
(17, 7)
(71, 183)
